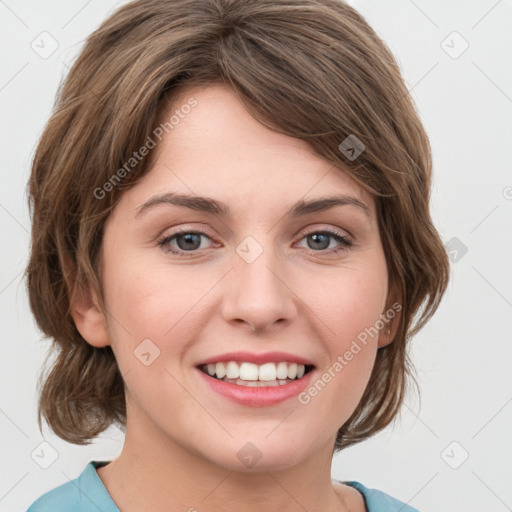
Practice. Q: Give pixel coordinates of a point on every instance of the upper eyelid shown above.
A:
(302, 233)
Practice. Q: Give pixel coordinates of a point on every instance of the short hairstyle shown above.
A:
(310, 69)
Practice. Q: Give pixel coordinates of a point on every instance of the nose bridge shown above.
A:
(258, 294)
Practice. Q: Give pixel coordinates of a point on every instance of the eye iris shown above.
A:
(192, 241)
(317, 238)
(189, 238)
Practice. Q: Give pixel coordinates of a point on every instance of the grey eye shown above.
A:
(319, 241)
(188, 241)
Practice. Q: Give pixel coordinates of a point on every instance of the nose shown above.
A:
(259, 294)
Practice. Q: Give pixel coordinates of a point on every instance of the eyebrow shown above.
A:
(209, 205)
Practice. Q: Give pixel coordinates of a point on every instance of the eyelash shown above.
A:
(344, 242)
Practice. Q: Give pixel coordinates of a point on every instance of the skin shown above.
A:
(181, 438)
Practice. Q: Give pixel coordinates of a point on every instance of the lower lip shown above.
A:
(257, 397)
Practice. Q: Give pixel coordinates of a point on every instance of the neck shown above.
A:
(153, 473)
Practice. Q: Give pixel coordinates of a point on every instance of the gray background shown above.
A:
(451, 453)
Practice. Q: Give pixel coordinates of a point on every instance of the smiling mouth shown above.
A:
(254, 375)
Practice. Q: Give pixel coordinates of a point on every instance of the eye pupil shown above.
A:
(189, 239)
(317, 238)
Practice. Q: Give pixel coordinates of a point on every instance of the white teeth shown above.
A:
(267, 372)
(250, 372)
(220, 370)
(292, 370)
(282, 370)
(256, 383)
(232, 370)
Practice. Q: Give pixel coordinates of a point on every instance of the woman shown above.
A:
(231, 249)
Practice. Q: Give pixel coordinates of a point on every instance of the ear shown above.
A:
(85, 310)
(391, 317)
(89, 318)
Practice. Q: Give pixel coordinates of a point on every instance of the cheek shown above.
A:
(148, 295)
(349, 308)
(151, 300)
(356, 309)
(350, 301)
(150, 310)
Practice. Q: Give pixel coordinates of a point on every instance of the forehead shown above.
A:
(217, 149)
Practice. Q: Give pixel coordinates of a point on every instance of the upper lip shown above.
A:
(267, 357)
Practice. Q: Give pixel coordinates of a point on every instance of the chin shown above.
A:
(258, 455)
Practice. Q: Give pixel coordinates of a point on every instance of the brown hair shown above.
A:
(311, 69)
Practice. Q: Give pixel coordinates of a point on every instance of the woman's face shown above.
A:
(270, 280)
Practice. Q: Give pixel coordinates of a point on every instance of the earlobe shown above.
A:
(391, 318)
(89, 318)
(386, 336)
(84, 307)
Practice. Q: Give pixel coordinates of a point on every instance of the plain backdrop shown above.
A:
(452, 451)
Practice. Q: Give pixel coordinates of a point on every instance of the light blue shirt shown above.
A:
(86, 493)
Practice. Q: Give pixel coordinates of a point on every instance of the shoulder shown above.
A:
(378, 501)
(85, 493)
